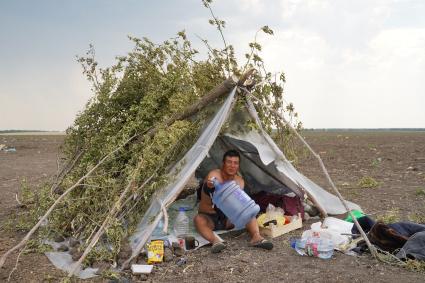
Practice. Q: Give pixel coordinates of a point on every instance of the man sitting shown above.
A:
(210, 218)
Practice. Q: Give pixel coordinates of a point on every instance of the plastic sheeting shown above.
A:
(181, 174)
(263, 166)
(294, 179)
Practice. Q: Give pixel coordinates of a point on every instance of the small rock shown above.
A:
(76, 256)
(124, 254)
(73, 242)
(73, 250)
(181, 261)
(411, 168)
(59, 239)
(63, 248)
(168, 255)
(143, 277)
(140, 258)
(178, 251)
(101, 265)
(121, 261)
(126, 248)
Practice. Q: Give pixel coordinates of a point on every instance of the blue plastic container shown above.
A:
(235, 203)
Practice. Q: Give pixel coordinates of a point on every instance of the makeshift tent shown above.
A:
(263, 165)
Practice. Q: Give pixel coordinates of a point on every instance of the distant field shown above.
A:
(36, 133)
(394, 159)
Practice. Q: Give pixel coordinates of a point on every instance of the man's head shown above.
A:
(231, 160)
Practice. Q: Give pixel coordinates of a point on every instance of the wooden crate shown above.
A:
(274, 231)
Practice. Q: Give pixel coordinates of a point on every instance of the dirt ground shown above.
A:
(395, 159)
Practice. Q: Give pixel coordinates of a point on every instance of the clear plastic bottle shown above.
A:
(314, 246)
(181, 225)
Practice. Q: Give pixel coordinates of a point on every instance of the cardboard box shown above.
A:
(274, 231)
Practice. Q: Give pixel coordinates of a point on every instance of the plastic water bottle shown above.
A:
(181, 225)
(314, 246)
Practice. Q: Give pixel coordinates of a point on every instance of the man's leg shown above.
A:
(205, 227)
(254, 231)
(256, 239)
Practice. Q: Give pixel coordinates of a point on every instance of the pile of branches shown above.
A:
(138, 124)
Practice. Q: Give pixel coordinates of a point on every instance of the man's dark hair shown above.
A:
(231, 153)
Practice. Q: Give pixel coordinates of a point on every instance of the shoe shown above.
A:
(217, 247)
(263, 244)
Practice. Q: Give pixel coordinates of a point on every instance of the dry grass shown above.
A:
(368, 182)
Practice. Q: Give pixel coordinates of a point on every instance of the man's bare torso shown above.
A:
(206, 205)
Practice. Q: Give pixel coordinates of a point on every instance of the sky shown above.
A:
(348, 64)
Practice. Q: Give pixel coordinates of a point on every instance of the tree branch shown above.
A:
(58, 200)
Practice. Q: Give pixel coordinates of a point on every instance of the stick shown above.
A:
(369, 245)
(17, 200)
(65, 170)
(218, 25)
(16, 265)
(187, 267)
(58, 200)
(105, 224)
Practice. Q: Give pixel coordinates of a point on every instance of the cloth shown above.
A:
(219, 220)
(290, 205)
(386, 238)
(407, 228)
(218, 217)
(365, 222)
(414, 247)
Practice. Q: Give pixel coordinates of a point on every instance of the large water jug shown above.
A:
(234, 202)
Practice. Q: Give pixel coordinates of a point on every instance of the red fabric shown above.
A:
(291, 205)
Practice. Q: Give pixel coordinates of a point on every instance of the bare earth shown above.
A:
(395, 159)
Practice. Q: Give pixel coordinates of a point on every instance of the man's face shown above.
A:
(231, 165)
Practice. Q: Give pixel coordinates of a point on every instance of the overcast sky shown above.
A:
(348, 64)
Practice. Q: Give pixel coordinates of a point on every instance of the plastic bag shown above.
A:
(317, 231)
(272, 212)
(274, 215)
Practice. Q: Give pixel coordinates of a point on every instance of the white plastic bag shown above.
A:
(273, 212)
(334, 236)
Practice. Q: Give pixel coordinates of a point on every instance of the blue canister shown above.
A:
(234, 202)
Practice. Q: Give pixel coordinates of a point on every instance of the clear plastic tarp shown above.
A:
(261, 159)
(180, 175)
